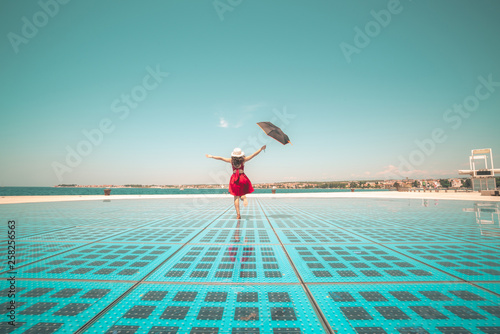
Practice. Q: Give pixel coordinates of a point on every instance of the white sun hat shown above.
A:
(237, 152)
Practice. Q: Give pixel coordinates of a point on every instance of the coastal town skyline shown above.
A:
(373, 184)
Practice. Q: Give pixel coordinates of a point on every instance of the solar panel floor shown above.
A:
(289, 266)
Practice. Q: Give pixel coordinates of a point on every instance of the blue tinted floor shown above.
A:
(289, 266)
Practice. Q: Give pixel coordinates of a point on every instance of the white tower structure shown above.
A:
(482, 178)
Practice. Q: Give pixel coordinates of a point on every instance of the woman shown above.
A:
(239, 184)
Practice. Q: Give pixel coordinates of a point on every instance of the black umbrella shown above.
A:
(274, 132)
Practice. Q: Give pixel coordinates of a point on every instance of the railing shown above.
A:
(413, 189)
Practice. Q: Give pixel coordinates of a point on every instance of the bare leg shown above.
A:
(245, 201)
(237, 206)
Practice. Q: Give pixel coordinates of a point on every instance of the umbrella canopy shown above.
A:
(274, 132)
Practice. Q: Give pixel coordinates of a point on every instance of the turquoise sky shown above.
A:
(116, 92)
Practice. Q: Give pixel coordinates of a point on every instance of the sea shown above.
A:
(61, 191)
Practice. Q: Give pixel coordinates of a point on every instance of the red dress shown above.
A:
(239, 184)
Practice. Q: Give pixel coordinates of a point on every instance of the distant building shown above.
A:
(456, 183)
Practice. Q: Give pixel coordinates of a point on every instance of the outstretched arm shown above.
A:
(254, 154)
(218, 158)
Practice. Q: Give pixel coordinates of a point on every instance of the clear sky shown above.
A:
(117, 92)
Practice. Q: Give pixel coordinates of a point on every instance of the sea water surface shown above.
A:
(62, 191)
